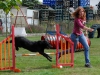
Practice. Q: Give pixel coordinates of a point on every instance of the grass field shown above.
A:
(38, 65)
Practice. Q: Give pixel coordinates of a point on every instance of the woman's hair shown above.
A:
(76, 13)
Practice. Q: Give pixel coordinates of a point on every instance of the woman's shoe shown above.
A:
(88, 65)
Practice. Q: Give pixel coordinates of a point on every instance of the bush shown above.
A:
(35, 29)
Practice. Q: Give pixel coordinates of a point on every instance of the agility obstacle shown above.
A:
(7, 54)
(65, 50)
(35, 54)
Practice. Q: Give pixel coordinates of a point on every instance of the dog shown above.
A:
(33, 46)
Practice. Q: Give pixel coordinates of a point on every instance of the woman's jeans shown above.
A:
(82, 39)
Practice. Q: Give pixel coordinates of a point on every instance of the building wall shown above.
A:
(24, 18)
(3, 18)
(20, 17)
(33, 17)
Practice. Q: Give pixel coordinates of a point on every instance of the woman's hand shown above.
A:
(90, 30)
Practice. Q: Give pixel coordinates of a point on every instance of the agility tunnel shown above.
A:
(95, 27)
(64, 55)
(7, 54)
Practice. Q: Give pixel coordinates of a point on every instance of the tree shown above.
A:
(30, 3)
(7, 5)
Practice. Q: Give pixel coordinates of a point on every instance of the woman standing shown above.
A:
(78, 35)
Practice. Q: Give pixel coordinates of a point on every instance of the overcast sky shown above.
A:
(94, 2)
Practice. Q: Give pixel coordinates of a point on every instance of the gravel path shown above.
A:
(28, 34)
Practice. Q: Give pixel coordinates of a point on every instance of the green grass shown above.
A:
(38, 65)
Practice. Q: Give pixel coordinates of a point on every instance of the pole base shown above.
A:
(57, 66)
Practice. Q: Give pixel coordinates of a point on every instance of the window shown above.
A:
(35, 16)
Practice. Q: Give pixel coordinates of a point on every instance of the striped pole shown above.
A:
(0, 56)
(35, 54)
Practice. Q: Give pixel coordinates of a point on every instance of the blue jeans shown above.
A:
(82, 39)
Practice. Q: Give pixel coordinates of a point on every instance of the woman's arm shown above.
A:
(81, 25)
(88, 29)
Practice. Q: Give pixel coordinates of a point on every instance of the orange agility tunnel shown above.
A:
(52, 40)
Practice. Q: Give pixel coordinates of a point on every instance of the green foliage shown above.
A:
(8, 4)
(29, 3)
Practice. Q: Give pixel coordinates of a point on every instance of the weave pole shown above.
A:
(66, 52)
(7, 53)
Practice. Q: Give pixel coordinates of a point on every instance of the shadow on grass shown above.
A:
(31, 69)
